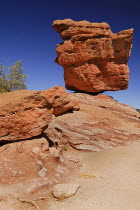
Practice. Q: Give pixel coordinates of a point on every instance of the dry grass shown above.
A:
(87, 176)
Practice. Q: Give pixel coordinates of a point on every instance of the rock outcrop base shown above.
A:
(101, 123)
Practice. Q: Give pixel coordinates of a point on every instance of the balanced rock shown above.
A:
(94, 59)
(25, 114)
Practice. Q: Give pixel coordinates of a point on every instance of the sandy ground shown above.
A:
(109, 180)
(112, 183)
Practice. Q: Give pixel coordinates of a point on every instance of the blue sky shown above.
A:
(27, 34)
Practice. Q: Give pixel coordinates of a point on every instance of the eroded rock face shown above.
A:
(94, 59)
(60, 100)
(101, 123)
(29, 166)
(25, 114)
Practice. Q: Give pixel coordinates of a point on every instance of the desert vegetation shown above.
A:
(14, 79)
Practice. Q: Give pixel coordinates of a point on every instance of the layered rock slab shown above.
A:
(100, 123)
(94, 59)
(25, 114)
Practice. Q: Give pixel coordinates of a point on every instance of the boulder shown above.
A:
(94, 59)
(60, 100)
(25, 114)
(101, 123)
(62, 191)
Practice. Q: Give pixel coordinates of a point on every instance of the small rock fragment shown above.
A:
(62, 191)
(54, 152)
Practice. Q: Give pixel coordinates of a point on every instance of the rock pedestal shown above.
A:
(101, 123)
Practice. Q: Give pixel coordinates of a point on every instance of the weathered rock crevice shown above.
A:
(42, 135)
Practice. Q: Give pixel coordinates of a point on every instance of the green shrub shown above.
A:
(14, 80)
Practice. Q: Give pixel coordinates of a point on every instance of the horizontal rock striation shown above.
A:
(94, 59)
(101, 123)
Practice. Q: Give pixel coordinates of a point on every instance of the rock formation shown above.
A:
(42, 132)
(94, 59)
(25, 114)
(100, 123)
(27, 155)
(45, 124)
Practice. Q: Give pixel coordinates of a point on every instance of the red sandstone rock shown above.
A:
(60, 100)
(28, 166)
(25, 114)
(100, 123)
(94, 59)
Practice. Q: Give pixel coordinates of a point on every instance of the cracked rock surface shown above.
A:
(25, 114)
